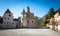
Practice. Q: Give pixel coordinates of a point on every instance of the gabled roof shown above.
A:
(7, 11)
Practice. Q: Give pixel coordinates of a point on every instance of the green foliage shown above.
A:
(50, 13)
(44, 19)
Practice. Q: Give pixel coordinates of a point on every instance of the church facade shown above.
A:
(28, 19)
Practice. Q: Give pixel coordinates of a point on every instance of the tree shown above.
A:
(46, 18)
(50, 13)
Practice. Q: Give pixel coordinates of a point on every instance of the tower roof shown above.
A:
(7, 11)
(28, 9)
(24, 10)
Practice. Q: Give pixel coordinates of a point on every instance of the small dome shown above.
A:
(24, 10)
(28, 9)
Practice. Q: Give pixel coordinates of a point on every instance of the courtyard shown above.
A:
(29, 32)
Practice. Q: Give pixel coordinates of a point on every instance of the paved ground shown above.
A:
(29, 32)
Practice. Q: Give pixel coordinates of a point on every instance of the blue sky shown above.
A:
(38, 7)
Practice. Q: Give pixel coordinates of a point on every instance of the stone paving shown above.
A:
(29, 32)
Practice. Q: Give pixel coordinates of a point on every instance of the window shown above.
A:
(4, 23)
(8, 18)
(32, 21)
(22, 19)
(9, 15)
(28, 21)
(7, 22)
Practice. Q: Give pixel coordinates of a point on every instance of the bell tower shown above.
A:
(28, 9)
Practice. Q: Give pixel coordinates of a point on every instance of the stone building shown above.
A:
(8, 19)
(19, 25)
(52, 23)
(28, 20)
(17, 22)
(56, 24)
(57, 19)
